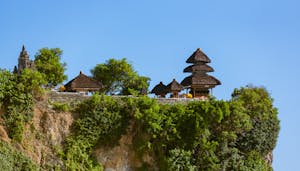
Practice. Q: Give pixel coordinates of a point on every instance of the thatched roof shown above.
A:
(198, 56)
(201, 67)
(200, 80)
(174, 86)
(83, 83)
(159, 89)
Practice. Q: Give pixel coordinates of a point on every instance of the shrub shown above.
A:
(61, 107)
(11, 160)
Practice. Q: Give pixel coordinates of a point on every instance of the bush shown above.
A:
(263, 135)
(11, 160)
(17, 104)
(180, 160)
(61, 107)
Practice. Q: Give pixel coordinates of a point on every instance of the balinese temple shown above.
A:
(174, 88)
(199, 82)
(160, 90)
(23, 62)
(83, 83)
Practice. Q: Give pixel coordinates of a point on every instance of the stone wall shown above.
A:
(64, 97)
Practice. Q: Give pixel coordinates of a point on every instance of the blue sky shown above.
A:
(249, 42)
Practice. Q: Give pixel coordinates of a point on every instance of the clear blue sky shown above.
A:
(255, 42)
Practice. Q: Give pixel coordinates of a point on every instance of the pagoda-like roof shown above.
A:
(174, 86)
(83, 83)
(195, 68)
(159, 89)
(23, 53)
(198, 56)
(200, 80)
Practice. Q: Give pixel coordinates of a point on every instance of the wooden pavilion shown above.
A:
(83, 83)
(174, 88)
(160, 90)
(199, 82)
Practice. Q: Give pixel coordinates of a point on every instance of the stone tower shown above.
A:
(23, 62)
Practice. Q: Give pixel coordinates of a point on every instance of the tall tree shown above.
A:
(118, 76)
(48, 63)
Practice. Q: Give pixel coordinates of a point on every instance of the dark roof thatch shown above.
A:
(83, 83)
(159, 89)
(174, 86)
(202, 67)
(201, 80)
(198, 56)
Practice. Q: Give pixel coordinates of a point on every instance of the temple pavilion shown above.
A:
(160, 90)
(83, 83)
(174, 88)
(199, 82)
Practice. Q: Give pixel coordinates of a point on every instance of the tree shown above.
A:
(259, 106)
(32, 81)
(136, 85)
(118, 76)
(48, 63)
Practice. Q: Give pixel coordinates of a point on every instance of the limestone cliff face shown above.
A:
(45, 134)
(123, 157)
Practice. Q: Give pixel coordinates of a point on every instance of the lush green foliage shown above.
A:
(48, 63)
(61, 107)
(102, 120)
(216, 132)
(118, 76)
(32, 80)
(204, 135)
(16, 102)
(11, 160)
(258, 104)
(180, 160)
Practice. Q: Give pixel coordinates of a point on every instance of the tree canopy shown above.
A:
(118, 76)
(48, 63)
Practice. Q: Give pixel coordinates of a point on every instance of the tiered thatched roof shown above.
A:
(198, 56)
(83, 83)
(201, 80)
(195, 68)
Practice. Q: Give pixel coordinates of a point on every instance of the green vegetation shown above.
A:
(61, 107)
(47, 62)
(16, 102)
(204, 135)
(101, 120)
(31, 81)
(118, 76)
(12, 160)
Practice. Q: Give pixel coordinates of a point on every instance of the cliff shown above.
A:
(74, 132)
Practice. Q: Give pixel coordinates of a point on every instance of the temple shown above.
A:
(174, 88)
(23, 62)
(199, 82)
(83, 83)
(160, 90)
